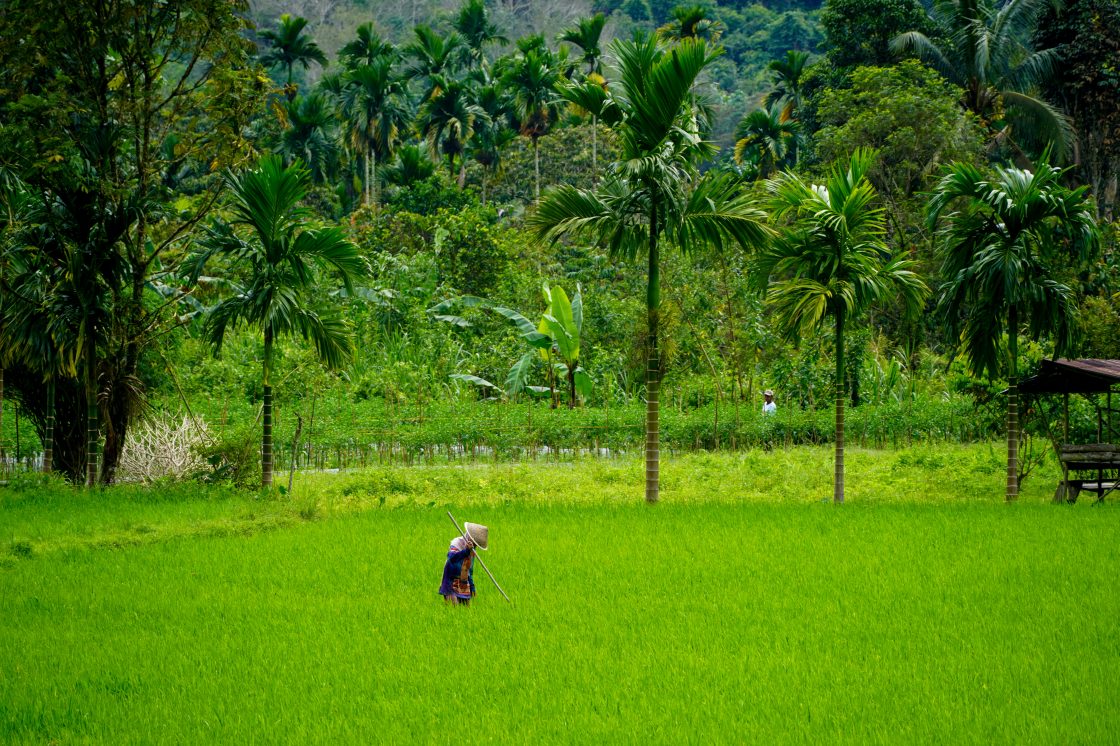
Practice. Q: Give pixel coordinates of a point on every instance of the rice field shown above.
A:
(699, 620)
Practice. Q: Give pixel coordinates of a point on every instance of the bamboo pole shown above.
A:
(484, 567)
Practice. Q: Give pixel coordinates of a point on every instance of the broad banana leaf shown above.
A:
(565, 345)
(475, 380)
(519, 373)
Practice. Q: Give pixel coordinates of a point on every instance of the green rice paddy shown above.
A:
(721, 615)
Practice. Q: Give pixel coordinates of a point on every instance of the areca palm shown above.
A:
(654, 195)
(311, 134)
(787, 74)
(269, 239)
(587, 35)
(289, 47)
(366, 48)
(691, 22)
(1003, 249)
(987, 51)
(447, 121)
(830, 263)
(433, 59)
(532, 79)
(492, 132)
(767, 138)
(478, 32)
(374, 106)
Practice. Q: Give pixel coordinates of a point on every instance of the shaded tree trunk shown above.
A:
(48, 429)
(266, 436)
(838, 478)
(1, 411)
(536, 169)
(1012, 404)
(594, 149)
(653, 365)
(92, 415)
(571, 387)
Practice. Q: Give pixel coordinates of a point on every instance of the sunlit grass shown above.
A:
(687, 622)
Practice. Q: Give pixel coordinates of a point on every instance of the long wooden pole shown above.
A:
(484, 567)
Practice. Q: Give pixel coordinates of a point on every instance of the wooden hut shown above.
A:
(1094, 467)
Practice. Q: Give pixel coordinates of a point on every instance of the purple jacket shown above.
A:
(458, 571)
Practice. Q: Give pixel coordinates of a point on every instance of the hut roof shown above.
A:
(1088, 376)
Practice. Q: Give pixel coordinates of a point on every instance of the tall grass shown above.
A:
(694, 622)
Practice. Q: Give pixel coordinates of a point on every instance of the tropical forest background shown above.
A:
(343, 222)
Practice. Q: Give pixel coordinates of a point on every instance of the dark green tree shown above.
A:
(288, 47)
(829, 263)
(1006, 243)
(271, 245)
(655, 193)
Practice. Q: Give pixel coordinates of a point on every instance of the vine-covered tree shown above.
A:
(88, 120)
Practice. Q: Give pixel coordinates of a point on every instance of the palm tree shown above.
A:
(654, 194)
(587, 35)
(766, 138)
(447, 121)
(787, 74)
(1003, 249)
(434, 59)
(366, 48)
(831, 262)
(412, 165)
(987, 52)
(691, 22)
(532, 77)
(289, 46)
(374, 107)
(310, 135)
(492, 132)
(474, 25)
(269, 238)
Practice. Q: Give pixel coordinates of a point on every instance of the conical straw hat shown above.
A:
(478, 533)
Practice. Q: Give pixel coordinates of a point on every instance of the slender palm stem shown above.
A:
(1, 411)
(536, 169)
(838, 480)
(48, 431)
(92, 424)
(266, 437)
(1012, 403)
(653, 363)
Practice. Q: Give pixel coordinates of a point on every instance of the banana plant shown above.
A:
(555, 340)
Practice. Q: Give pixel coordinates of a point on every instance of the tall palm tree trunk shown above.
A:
(536, 169)
(1012, 404)
(1, 411)
(594, 149)
(374, 186)
(92, 419)
(266, 437)
(838, 479)
(653, 364)
(48, 431)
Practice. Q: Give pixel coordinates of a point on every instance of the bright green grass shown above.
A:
(742, 609)
(691, 623)
(36, 520)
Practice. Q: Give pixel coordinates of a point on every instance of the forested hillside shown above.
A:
(331, 232)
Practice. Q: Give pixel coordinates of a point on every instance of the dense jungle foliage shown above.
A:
(422, 228)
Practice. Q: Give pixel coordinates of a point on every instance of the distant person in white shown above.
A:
(769, 407)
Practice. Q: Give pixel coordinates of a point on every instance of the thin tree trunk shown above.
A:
(653, 364)
(266, 438)
(838, 479)
(1, 411)
(536, 169)
(484, 186)
(92, 419)
(571, 387)
(48, 431)
(375, 185)
(1012, 404)
(594, 150)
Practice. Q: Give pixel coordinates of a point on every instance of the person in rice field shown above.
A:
(457, 587)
